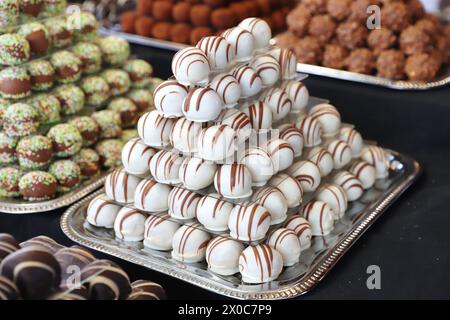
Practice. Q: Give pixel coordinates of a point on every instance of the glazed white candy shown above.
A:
(242, 43)
(185, 134)
(376, 156)
(196, 173)
(279, 102)
(189, 243)
(249, 222)
(298, 93)
(130, 224)
(213, 212)
(260, 165)
(289, 187)
(364, 172)
(321, 158)
(307, 173)
(281, 153)
(336, 197)
(267, 68)
(222, 255)
(228, 89)
(341, 153)
(152, 196)
(136, 157)
(249, 80)
(285, 241)
(287, 61)
(274, 201)
(202, 105)
(260, 263)
(351, 184)
(190, 66)
(219, 52)
(102, 212)
(182, 203)
(329, 118)
(217, 143)
(169, 97)
(320, 216)
(311, 130)
(165, 166)
(120, 186)
(233, 181)
(302, 229)
(260, 31)
(237, 120)
(260, 115)
(293, 136)
(154, 129)
(159, 232)
(353, 138)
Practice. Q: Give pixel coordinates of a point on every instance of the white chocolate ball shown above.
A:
(202, 105)
(311, 130)
(341, 153)
(213, 212)
(287, 61)
(376, 156)
(307, 173)
(189, 243)
(274, 201)
(336, 197)
(320, 215)
(102, 212)
(217, 143)
(260, 264)
(120, 186)
(260, 165)
(233, 181)
(279, 102)
(196, 173)
(184, 135)
(219, 52)
(250, 82)
(329, 118)
(281, 153)
(190, 66)
(289, 187)
(249, 222)
(228, 89)
(159, 232)
(169, 97)
(182, 203)
(351, 184)
(222, 255)
(298, 93)
(302, 229)
(237, 120)
(152, 196)
(165, 166)
(136, 157)
(260, 115)
(322, 158)
(293, 136)
(130, 225)
(353, 138)
(364, 172)
(154, 129)
(260, 31)
(285, 241)
(267, 68)
(242, 43)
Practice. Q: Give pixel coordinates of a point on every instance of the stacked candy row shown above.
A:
(41, 268)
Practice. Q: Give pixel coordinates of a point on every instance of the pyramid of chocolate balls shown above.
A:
(221, 167)
(68, 100)
(187, 21)
(40, 268)
(410, 44)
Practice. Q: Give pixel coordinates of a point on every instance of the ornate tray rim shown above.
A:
(300, 287)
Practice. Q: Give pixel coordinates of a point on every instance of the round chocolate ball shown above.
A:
(140, 72)
(96, 90)
(144, 7)
(339, 9)
(287, 40)
(351, 34)
(142, 98)
(31, 7)
(361, 61)
(65, 293)
(421, 67)
(162, 30)
(67, 66)
(7, 149)
(144, 26)
(146, 290)
(181, 33)
(127, 20)
(8, 244)
(181, 12)
(162, 10)
(9, 187)
(334, 56)
(129, 134)
(89, 162)
(90, 56)
(110, 123)
(14, 49)
(59, 34)
(223, 18)
(395, 16)
(38, 185)
(66, 139)
(83, 25)
(34, 152)
(48, 107)
(322, 27)
(73, 256)
(15, 83)
(37, 36)
(88, 128)
(115, 50)
(42, 74)
(415, 40)
(391, 64)
(53, 8)
(9, 13)
(201, 15)
(67, 173)
(42, 241)
(200, 32)
(20, 120)
(127, 109)
(308, 50)
(8, 290)
(110, 152)
(71, 98)
(381, 39)
(118, 80)
(298, 20)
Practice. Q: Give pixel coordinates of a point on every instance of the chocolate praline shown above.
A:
(31, 7)
(67, 173)
(115, 50)
(334, 56)
(88, 128)
(127, 109)
(139, 71)
(8, 290)
(10, 13)
(89, 162)
(415, 40)
(14, 49)
(381, 39)
(361, 61)
(142, 98)
(67, 66)
(9, 188)
(66, 139)
(42, 74)
(391, 64)
(110, 151)
(59, 34)
(37, 36)
(298, 20)
(34, 152)
(7, 149)
(72, 256)
(421, 67)
(322, 27)
(42, 241)
(48, 107)
(118, 80)
(110, 123)
(65, 293)
(395, 16)
(38, 185)
(308, 50)
(96, 90)
(180, 32)
(20, 120)
(8, 245)
(90, 56)
(15, 83)
(351, 34)
(146, 290)
(71, 98)
(83, 24)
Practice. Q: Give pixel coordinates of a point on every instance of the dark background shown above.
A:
(410, 242)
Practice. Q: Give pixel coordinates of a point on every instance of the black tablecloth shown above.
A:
(410, 242)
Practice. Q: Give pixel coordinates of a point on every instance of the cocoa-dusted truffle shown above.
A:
(198, 33)
(34, 152)
(162, 10)
(181, 12)
(144, 7)
(88, 128)
(201, 15)
(9, 13)
(67, 173)
(162, 30)
(351, 34)
(89, 162)
(322, 27)
(142, 98)
(339, 9)
(287, 40)
(118, 80)
(359, 9)
(7, 149)
(308, 50)
(59, 34)
(395, 16)
(127, 21)
(38, 185)
(361, 61)
(67, 66)
(391, 64)
(127, 109)
(15, 83)
(83, 25)
(9, 187)
(316, 6)
(298, 20)
(14, 49)
(334, 56)
(115, 50)
(42, 74)
(96, 90)
(48, 108)
(71, 98)
(180, 32)
(381, 39)
(140, 72)
(429, 25)
(110, 151)
(110, 123)
(90, 56)
(223, 18)
(144, 26)
(421, 67)
(37, 36)
(20, 120)
(415, 40)
(66, 139)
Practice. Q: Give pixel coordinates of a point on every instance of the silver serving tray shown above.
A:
(314, 263)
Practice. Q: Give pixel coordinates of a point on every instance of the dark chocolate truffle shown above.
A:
(181, 12)
(20, 120)
(67, 66)
(8, 290)
(415, 40)
(42, 74)
(67, 173)
(351, 34)
(110, 151)
(7, 149)
(127, 21)
(322, 27)
(34, 152)
(48, 107)
(42, 241)
(15, 83)
(90, 56)
(73, 256)
(298, 20)
(421, 67)
(381, 39)
(71, 98)
(361, 61)
(89, 162)
(391, 64)
(180, 32)
(75, 293)
(89, 129)
(144, 26)
(162, 10)
(339, 9)
(140, 72)
(110, 123)
(118, 80)
(96, 90)
(14, 49)
(162, 30)
(146, 290)
(66, 139)
(308, 50)
(59, 34)
(334, 56)
(127, 109)
(201, 15)
(8, 244)
(395, 16)
(37, 36)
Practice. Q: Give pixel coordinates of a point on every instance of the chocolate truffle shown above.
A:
(285, 241)
(190, 66)
(328, 116)
(350, 183)
(102, 212)
(250, 82)
(144, 26)
(73, 256)
(184, 135)
(146, 290)
(200, 15)
(144, 7)
(121, 187)
(89, 162)
(31, 7)
(71, 98)
(240, 10)
(308, 50)
(223, 18)
(110, 152)
(361, 61)
(7, 149)
(143, 99)
(90, 56)
(42, 241)
(287, 40)
(233, 181)
(110, 123)
(38, 186)
(136, 157)
(127, 109)
(67, 173)
(395, 16)
(152, 196)
(66, 139)
(364, 172)
(60, 35)
(217, 143)
(414, 40)
(96, 90)
(127, 21)
(42, 74)
(202, 105)
(183, 203)
(391, 64)
(416, 9)
(381, 39)
(154, 129)
(75, 293)
(53, 8)
(88, 128)
(377, 157)
(34, 152)
(15, 83)
(334, 56)
(339, 9)
(351, 34)
(429, 24)
(139, 71)
(67, 66)
(8, 245)
(321, 217)
(20, 120)
(180, 32)
(316, 6)
(222, 255)
(115, 50)
(9, 188)
(162, 30)
(162, 10)
(200, 32)
(181, 12)
(322, 27)
(165, 166)
(83, 24)
(37, 36)
(14, 49)
(298, 20)
(9, 13)
(118, 80)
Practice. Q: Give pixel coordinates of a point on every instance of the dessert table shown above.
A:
(409, 243)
